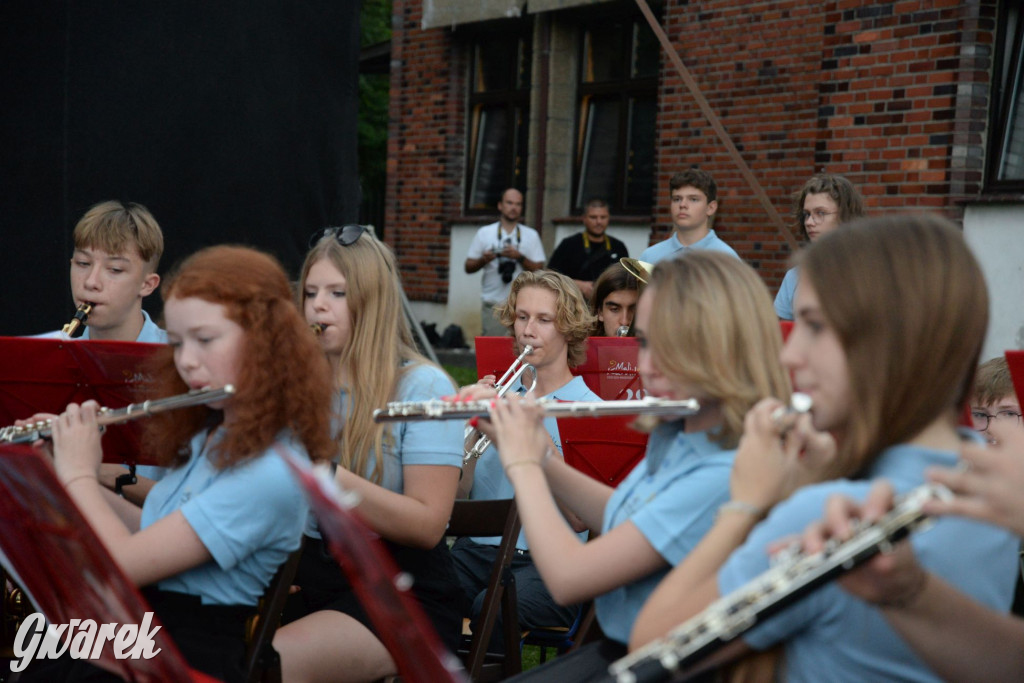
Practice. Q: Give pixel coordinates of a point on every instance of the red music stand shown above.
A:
(1015, 360)
(605, 448)
(609, 370)
(382, 589)
(494, 355)
(54, 555)
(45, 375)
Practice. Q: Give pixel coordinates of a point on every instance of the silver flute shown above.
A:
(407, 411)
(791, 577)
(42, 429)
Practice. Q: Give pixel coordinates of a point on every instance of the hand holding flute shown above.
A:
(77, 453)
(75, 434)
(517, 425)
(780, 451)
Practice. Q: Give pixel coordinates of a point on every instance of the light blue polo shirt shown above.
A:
(489, 480)
(786, 294)
(149, 334)
(418, 442)
(831, 635)
(671, 496)
(249, 517)
(672, 247)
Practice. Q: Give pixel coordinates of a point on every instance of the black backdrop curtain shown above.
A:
(233, 121)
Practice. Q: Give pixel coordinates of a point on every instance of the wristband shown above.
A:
(741, 507)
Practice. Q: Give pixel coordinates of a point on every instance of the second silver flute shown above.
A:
(106, 416)
(408, 411)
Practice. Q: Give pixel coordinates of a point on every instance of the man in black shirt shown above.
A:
(585, 255)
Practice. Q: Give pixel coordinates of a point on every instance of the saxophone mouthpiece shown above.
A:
(318, 328)
(81, 314)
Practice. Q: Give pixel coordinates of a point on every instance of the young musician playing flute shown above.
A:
(706, 331)
(957, 637)
(405, 474)
(214, 530)
(888, 380)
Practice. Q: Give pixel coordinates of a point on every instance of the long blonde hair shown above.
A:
(380, 348)
(713, 327)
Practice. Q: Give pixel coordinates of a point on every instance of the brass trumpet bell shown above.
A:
(641, 270)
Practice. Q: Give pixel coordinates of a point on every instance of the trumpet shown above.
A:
(409, 411)
(515, 371)
(43, 428)
(81, 313)
(318, 328)
(641, 270)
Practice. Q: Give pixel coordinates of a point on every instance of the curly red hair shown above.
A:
(283, 380)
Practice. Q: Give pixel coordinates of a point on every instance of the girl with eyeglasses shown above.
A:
(404, 474)
(824, 203)
(888, 381)
(213, 532)
(995, 409)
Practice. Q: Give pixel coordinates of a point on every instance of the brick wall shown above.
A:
(426, 140)
(891, 94)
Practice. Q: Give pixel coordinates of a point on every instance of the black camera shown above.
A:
(507, 268)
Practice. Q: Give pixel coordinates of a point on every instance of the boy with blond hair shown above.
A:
(118, 246)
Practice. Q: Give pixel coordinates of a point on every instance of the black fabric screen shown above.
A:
(233, 121)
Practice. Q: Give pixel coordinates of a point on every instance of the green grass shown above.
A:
(461, 375)
(531, 656)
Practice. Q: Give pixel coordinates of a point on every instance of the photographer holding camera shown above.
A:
(503, 250)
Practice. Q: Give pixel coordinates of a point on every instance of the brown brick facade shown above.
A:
(893, 95)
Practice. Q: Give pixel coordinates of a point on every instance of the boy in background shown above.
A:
(118, 246)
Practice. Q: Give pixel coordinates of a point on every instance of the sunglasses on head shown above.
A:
(346, 235)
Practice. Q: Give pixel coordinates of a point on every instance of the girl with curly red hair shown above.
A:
(213, 532)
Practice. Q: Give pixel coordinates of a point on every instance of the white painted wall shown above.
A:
(463, 307)
(995, 233)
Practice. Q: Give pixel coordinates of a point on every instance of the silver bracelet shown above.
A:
(742, 507)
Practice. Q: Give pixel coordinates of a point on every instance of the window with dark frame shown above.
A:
(1006, 130)
(499, 113)
(616, 114)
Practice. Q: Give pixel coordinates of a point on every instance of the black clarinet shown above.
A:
(792, 576)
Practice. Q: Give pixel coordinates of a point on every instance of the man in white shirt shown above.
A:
(503, 250)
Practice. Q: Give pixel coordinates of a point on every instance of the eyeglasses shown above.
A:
(818, 215)
(982, 420)
(346, 235)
